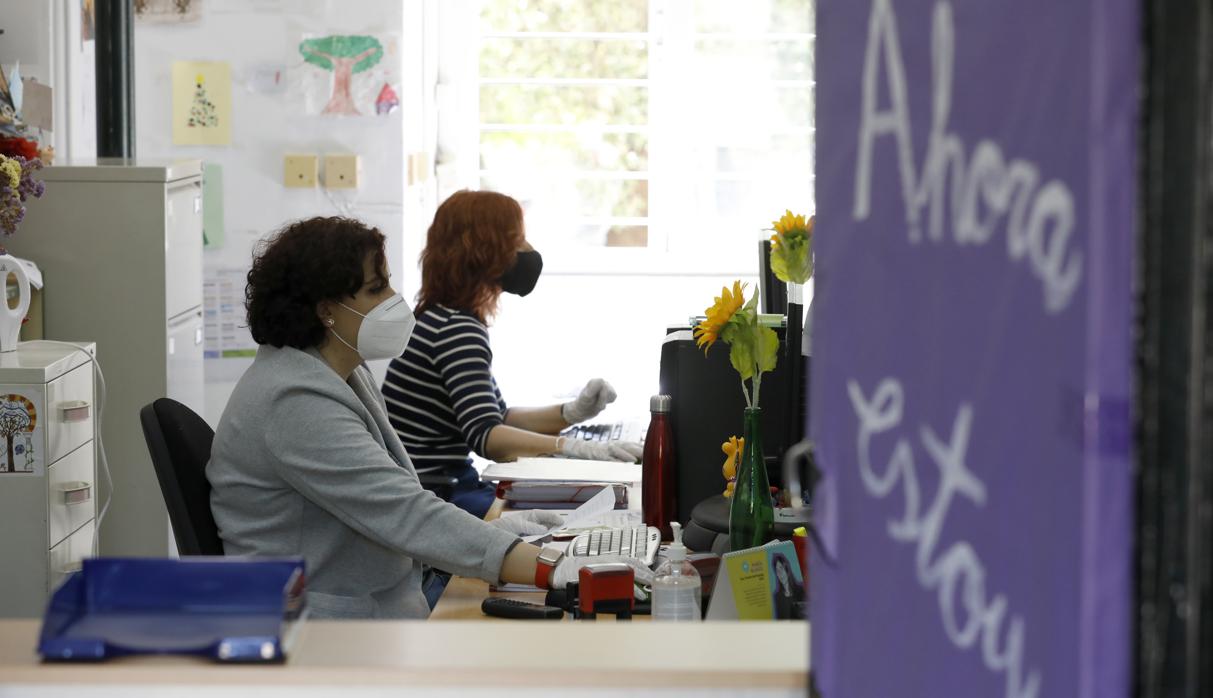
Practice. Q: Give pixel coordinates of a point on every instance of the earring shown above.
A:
(329, 322)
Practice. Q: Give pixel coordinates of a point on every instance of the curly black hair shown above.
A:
(302, 264)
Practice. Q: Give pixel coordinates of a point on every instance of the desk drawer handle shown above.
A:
(75, 491)
(75, 410)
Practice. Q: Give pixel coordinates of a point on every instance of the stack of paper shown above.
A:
(563, 470)
(550, 494)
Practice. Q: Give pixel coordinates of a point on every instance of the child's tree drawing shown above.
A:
(16, 416)
(344, 56)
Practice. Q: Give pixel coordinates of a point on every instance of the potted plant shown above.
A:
(753, 351)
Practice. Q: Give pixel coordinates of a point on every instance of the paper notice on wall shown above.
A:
(36, 109)
(212, 206)
(265, 78)
(202, 103)
(168, 11)
(225, 326)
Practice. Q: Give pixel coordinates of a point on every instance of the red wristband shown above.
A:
(544, 564)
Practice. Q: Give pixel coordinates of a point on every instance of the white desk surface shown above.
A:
(521, 658)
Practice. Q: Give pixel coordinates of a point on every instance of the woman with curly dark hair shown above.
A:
(304, 461)
(441, 395)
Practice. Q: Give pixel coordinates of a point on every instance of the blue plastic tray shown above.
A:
(230, 609)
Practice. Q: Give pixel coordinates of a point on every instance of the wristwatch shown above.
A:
(545, 563)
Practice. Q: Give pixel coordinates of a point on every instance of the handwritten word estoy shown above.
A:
(956, 575)
(1040, 219)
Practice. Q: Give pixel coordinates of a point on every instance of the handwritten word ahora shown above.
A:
(956, 574)
(1040, 221)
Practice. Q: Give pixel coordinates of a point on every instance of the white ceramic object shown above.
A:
(11, 318)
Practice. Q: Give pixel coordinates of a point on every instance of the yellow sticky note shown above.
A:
(202, 103)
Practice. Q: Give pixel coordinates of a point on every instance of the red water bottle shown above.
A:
(657, 488)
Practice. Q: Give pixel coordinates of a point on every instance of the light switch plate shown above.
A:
(419, 167)
(300, 170)
(341, 171)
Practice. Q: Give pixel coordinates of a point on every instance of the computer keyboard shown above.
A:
(632, 541)
(618, 431)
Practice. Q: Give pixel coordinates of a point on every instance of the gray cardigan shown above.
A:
(305, 464)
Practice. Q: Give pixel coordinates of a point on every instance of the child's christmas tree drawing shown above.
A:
(202, 111)
(202, 103)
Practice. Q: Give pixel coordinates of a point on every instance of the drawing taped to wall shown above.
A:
(350, 74)
(202, 103)
(387, 101)
(202, 109)
(168, 11)
(21, 431)
(87, 19)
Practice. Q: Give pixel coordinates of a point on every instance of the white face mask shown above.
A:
(385, 331)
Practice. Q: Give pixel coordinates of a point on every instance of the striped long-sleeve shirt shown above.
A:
(441, 396)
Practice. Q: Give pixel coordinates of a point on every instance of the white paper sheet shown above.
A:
(563, 470)
(592, 512)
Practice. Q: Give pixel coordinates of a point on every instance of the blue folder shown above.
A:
(229, 609)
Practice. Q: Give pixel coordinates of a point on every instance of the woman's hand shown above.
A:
(594, 398)
(529, 523)
(624, 451)
(568, 570)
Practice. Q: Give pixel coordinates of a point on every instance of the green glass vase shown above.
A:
(751, 515)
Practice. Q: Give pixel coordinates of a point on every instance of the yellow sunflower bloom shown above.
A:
(791, 256)
(790, 223)
(708, 331)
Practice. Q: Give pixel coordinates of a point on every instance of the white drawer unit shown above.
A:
(48, 470)
(66, 557)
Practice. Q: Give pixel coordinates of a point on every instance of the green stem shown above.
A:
(757, 385)
(746, 393)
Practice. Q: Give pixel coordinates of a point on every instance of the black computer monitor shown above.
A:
(707, 408)
(773, 292)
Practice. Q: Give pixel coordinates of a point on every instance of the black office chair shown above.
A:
(180, 443)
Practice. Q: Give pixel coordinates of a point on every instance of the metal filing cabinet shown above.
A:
(48, 473)
(120, 248)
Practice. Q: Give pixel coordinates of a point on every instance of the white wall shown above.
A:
(248, 34)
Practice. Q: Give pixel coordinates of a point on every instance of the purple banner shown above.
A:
(972, 347)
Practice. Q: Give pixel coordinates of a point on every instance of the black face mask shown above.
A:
(520, 279)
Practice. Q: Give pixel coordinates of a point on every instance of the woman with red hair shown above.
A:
(441, 395)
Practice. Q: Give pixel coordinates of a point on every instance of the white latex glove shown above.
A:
(569, 567)
(594, 398)
(529, 523)
(625, 451)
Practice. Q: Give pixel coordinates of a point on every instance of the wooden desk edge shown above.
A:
(419, 653)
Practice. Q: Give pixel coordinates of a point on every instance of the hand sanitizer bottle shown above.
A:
(676, 587)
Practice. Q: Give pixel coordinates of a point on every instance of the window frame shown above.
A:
(458, 158)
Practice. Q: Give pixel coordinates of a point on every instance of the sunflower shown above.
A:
(708, 331)
(790, 223)
(791, 258)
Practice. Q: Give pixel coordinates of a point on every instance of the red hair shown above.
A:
(473, 240)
